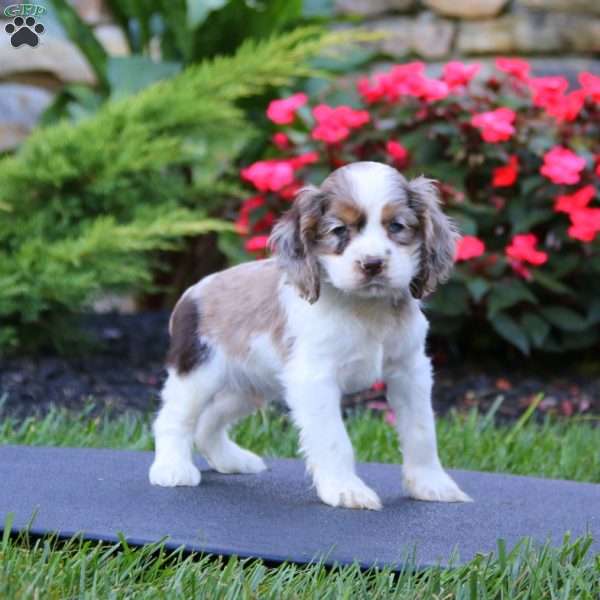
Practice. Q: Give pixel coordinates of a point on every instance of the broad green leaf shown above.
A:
(477, 288)
(565, 318)
(506, 294)
(511, 331)
(450, 300)
(537, 329)
(550, 283)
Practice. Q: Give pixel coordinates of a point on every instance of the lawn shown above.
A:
(566, 449)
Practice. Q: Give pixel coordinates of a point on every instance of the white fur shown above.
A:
(342, 343)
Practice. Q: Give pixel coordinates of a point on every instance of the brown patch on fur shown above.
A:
(348, 212)
(186, 349)
(242, 302)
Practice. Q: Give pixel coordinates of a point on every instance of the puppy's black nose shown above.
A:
(371, 265)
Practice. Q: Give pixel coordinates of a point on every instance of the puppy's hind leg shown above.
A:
(212, 439)
(184, 397)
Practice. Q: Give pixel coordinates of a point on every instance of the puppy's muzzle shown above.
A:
(371, 266)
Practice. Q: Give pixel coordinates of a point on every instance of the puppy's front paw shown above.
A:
(432, 484)
(347, 493)
(172, 474)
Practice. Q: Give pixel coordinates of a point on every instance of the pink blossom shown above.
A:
(585, 224)
(269, 175)
(283, 111)
(516, 67)
(580, 199)
(432, 89)
(469, 246)
(565, 107)
(522, 247)
(561, 165)
(457, 74)
(257, 243)
(591, 85)
(506, 175)
(495, 125)
(281, 140)
(546, 90)
(335, 124)
(397, 151)
(302, 160)
(242, 223)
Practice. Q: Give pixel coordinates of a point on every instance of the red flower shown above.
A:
(546, 90)
(597, 171)
(269, 175)
(507, 175)
(432, 89)
(516, 67)
(585, 224)
(283, 111)
(522, 248)
(495, 125)
(457, 74)
(257, 243)
(334, 124)
(591, 85)
(468, 247)
(561, 165)
(402, 80)
(397, 151)
(580, 199)
(281, 140)
(302, 160)
(565, 107)
(242, 223)
(372, 90)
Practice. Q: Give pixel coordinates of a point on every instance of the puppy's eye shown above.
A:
(340, 230)
(395, 227)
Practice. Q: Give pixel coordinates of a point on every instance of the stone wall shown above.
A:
(559, 35)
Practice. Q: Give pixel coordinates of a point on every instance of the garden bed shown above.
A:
(123, 370)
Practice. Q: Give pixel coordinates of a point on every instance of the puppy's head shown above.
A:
(366, 231)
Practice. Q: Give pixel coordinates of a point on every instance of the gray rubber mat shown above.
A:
(277, 516)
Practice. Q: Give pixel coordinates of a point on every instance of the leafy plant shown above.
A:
(87, 205)
(518, 164)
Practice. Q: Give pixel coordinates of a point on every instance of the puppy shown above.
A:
(335, 310)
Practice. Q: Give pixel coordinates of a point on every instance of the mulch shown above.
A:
(123, 371)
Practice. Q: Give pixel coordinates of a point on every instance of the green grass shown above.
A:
(78, 569)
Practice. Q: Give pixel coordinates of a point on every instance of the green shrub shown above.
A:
(85, 205)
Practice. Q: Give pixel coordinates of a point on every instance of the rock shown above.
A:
(570, 6)
(466, 9)
(20, 108)
(372, 7)
(534, 33)
(54, 55)
(112, 39)
(92, 11)
(427, 36)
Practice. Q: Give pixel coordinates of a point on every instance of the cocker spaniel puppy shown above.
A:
(335, 310)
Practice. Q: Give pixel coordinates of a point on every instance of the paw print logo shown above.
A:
(24, 31)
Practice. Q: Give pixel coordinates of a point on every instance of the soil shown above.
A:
(123, 371)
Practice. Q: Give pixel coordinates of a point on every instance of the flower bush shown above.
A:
(517, 159)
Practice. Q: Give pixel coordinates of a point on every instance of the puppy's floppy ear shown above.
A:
(292, 239)
(439, 236)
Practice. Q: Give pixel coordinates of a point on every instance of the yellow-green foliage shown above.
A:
(85, 204)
